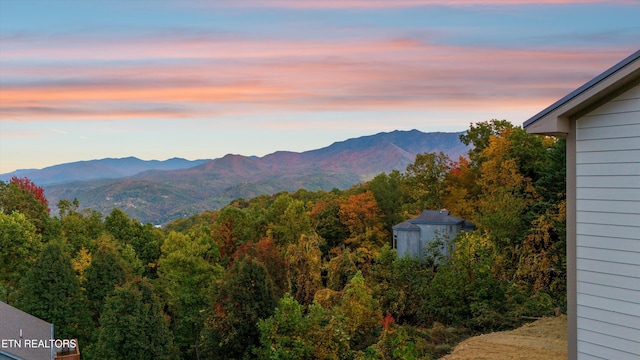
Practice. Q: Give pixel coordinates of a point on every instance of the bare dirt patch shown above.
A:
(543, 339)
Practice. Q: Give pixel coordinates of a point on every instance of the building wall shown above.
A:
(607, 167)
(431, 232)
(416, 242)
(407, 242)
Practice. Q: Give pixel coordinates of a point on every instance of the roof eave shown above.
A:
(554, 120)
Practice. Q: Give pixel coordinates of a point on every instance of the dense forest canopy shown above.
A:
(305, 274)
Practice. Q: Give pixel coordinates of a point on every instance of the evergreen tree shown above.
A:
(133, 325)
(51, 291)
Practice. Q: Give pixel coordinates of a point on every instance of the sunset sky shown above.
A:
(156, 79)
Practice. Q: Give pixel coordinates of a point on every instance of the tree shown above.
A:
(133, 325)
(461, 189)
(390, 197)
(505, 195)
(340, 269)
(147, 245)
(361, 312)
(468, 290)
(229, 230)
(79, 228)
(244, 295)
(50, 290)
(107, 270)
(542, 263)
(22, 195)
(283, 334)
(144, 240)
(361, 216)
(326, 223)
(400, 284)
(123, 229)
(425, 180)
(292, 333)
(267, 254)
(285, 227)
(19, 247)
(305, 268)
(478, 136)
(186, 278)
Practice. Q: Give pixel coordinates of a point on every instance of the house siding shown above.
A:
(407, 242)
(608, 229)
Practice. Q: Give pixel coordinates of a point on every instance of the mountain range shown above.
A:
(160, 191)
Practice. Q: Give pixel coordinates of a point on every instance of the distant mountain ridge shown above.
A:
(108, 168)
(160, 195)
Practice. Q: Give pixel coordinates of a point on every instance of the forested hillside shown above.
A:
(304, 274)
(159, 196)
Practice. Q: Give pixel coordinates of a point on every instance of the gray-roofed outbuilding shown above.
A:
(413, 236)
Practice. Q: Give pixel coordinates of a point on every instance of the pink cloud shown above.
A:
(207, 77)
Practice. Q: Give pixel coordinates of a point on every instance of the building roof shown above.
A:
(407, 226)
(17, 325)
(430, 217)
(554, 119)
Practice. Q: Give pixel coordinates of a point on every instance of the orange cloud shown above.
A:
(208, 76)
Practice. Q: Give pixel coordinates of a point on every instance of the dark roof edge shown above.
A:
(593, 82)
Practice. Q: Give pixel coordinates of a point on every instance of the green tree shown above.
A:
(133, 325)
(107, 270)
(425, 180)
(123, 229)
(390, 197)
(79, 228)
(468, 290)
(186, 277)
(504, 200)
(286, 226)
(400, 284)
(244, 295)
(50, 290)
(144, 240)
(19, 248)
(479, 134)
(305, 267)
(283, 335)
(147, 245)
(326, 223)
(361, 312)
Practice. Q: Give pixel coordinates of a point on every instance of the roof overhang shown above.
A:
(554, 120)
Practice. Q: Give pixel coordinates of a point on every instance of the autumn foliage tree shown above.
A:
(362, 218)
(244, 295)
(22, 195)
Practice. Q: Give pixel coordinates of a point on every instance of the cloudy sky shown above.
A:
(156, 79)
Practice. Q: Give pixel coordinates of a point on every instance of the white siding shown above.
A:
(608, 229)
